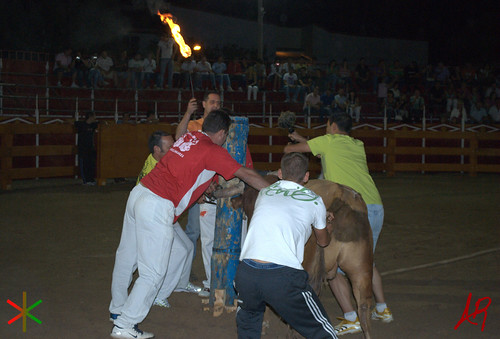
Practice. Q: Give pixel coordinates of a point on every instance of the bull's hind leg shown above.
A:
(357, 262)
(362, 290)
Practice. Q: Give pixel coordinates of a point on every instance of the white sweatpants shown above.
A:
(145, 244)
(207, 231)
(179, 265)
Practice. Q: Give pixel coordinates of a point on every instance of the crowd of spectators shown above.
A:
(402, 92)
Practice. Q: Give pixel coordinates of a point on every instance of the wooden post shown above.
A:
(474, 145)
(6, 156)
(391, 156)
(227, 236)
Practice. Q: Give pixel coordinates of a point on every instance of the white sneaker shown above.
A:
(134, 333)
(229, 89)
(161, 303)
(73, 85)
(205, 293)
(190, 288)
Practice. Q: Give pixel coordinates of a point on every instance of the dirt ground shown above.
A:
(59, 238)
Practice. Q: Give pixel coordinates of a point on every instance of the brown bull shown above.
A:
(351, 246)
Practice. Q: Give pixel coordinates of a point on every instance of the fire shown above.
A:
(167, 19)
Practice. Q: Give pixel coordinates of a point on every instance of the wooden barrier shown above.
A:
(8, 151)
(122, 150)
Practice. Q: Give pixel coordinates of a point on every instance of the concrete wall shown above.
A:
(217, 30)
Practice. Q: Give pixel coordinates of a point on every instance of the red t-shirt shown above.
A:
(187, 169)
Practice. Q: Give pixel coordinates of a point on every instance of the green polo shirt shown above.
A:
(344, 161)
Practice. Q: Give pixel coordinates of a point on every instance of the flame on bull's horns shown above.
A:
(175, 29)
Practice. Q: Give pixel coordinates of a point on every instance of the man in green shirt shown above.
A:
(343, 160)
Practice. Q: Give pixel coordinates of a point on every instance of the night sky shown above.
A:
(457, 31)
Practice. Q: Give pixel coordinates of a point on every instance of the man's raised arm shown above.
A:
(183, 124)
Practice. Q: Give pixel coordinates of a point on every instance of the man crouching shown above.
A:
(270, 271)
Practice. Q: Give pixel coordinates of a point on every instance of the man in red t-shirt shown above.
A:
(176, 182)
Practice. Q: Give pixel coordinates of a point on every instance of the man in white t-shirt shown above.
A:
(105, 64)
(270, 271)
(164, 57)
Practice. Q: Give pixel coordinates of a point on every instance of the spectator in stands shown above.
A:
(390, 106)
(494, 113)
(441, 73)
(485, 74)
(332, 75)
(63, 66)
(177, 78)
(492, 106)
(126, 120)
(305, 83)
(151, 118)
(416, 106)
(345, 74)
(187, 71)
(402, 108)
(379, 75)
(437, 101)
(395, 90)
(148, 70)
(204, 72)
(236, 74)
(275, 75)
(478, 113)
(165, 53)
(469, 74)
(396, 72)
(362, 75)
(86, 147)
(492, 89)
(429, 76)
(219, 67)
(121, 69)
(451, 98)
(81, 73)
(327, 102)
(353, 105)
(312, 104)
(292, 88)
(314, 72)
(105, 65)
(456, 75)
(260, 70)
(136, 66)
(340, 101)
(382, 91)
(458, 114)
(95, 77)
(253, 88)
(412, 75)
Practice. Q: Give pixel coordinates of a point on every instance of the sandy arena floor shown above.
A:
(58, 241)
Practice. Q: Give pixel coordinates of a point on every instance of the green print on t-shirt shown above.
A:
(302, 194)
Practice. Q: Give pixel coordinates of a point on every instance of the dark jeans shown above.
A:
(286, 290)
(86, 162)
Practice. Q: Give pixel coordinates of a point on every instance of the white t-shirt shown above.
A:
(105, 63)
(281, 224)
(166, 48)
(290, 79)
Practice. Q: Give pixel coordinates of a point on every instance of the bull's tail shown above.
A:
(317, 271)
